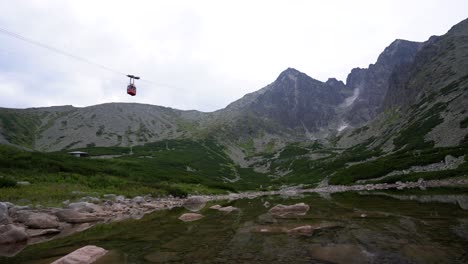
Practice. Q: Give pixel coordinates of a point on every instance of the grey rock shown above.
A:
(84, 207)
(289, 210)
(109, 196)
(41, 232)
(195, 203)
(12, 234)
(84, 255)
(228, 209)
(120, 198)
(23, 183)
(90, 199)
(17, 208)
(9, 205)
(4, 215)
(74, 217)
(38, 220)
(138, 200)
(189, 217)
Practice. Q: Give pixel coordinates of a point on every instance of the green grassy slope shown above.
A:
(174, 167)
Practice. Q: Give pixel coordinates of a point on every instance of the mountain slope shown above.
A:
(412, 86)
(426, 103)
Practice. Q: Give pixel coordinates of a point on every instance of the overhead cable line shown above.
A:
(61, 52)
(68, 54)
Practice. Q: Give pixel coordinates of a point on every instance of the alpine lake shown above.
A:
(393, 226)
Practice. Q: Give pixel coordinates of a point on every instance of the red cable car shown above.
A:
(131, 88)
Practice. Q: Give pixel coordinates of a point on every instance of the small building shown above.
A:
(79, 154)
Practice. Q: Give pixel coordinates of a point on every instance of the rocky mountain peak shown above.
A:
(335, 83)
(290, 74)
(398, 51)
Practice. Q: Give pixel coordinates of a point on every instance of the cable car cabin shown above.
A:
(131, 89)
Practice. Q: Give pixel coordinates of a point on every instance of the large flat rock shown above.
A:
(289, 210)
(84, 255)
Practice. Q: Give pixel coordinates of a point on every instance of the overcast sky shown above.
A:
(197, 54)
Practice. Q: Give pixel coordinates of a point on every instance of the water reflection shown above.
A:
(339, 228)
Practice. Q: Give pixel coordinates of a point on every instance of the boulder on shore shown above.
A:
(188, 217)
(74, 217)
(4, 219)
(84, 255)
(12, 234)
(41, 232)
(84, 207)
(195, 203)
(289, 210)
(38, 220)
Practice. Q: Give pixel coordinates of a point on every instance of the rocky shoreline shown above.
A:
(23, 225)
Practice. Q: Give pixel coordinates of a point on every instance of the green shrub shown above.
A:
(7, 182)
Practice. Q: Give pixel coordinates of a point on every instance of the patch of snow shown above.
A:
(350, 100)
(342, 127)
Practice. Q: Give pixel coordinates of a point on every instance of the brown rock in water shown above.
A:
(12, 234)
(84, 255)
(306, 230)
(340, 253)
(289, 210)
(195, 203)
(188, 217)
(228, 209)
(162, 257)
(216, 207)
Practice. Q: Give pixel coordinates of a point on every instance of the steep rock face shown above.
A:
(371, 85)
(441, 61)
(426, 103)
(295, 101)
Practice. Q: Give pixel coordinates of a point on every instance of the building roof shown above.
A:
(78, 152)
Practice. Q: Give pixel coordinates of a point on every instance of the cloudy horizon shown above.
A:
(199, 55)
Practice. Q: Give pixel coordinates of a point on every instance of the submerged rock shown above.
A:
(195, 203)
(188, 217)
(162, 257)
(305, 230)
(216, 207)
(228, 209)
(341, 253)
(12, 234)
(84, 255)
(289, 210)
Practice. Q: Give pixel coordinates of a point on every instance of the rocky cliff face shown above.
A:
(295, 101)
(426, 102)
(372, 84)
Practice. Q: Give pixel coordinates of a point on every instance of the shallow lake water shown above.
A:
(373, 227)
